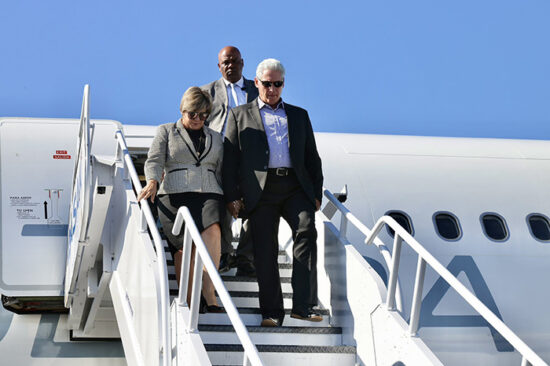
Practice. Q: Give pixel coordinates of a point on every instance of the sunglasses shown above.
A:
(202, 115)
(276, 84)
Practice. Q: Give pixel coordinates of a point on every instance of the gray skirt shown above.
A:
(205, 208)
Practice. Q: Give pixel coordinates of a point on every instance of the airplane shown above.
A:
(431, 251)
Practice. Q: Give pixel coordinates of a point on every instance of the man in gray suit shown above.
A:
(272, 169)
(230, 91)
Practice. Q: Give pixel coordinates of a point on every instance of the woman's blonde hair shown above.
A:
(195, 100)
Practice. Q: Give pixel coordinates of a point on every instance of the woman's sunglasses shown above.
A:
(202, 115)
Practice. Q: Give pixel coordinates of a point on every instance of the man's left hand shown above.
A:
(317, 204)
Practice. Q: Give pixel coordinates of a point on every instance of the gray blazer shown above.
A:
(246, 155)
(172, 153)
(218, 93)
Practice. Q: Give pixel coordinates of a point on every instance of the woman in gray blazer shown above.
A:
(185, 159)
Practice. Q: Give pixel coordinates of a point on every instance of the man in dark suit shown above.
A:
(230, 91)
(272, 169)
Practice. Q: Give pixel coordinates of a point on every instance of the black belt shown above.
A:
(281, 172)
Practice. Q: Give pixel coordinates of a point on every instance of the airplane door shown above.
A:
(36, 171)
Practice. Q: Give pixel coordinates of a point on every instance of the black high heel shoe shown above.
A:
(202, 305)
(205, 308)
(214, 309)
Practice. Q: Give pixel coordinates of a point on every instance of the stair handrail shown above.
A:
(347, 217)
(192, 235)
(147, 221)
(529, 357)
(80, 195)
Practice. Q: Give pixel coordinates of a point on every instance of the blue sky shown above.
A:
(444, 68)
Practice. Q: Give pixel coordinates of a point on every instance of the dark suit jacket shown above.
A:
(246, 154)
(218, 93)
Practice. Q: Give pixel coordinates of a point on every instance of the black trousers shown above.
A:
(227, 235)
(244, 250)
(284, 197)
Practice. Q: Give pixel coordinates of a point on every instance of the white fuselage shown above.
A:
(419, 177)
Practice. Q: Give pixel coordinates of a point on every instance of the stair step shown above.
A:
(228, 278)
(249, 299)
(304, 336)
(234, 278)
(241, 299)
(285, 270)
(222, 354)
(234, 283)
(255, 318)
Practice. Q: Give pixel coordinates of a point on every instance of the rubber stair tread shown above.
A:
(170, 262)
(229, 278)
(246, 294)
(286, 295)
(287, 311)
(212, 347)
(283, 329)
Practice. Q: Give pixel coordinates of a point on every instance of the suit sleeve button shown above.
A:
(265, 166)
(267, 152)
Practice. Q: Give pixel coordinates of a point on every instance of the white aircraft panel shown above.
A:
(36, 172)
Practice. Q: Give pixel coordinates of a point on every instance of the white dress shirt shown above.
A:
(240, 93)
(236, 96)
(276, 128)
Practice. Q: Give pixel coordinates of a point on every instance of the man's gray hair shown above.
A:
(270, 64)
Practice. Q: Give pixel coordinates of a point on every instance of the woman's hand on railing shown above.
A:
(150, 190)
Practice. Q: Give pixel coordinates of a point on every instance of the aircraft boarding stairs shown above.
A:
(363, 322)
(119, 279)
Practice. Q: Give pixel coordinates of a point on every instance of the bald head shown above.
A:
(230, 63)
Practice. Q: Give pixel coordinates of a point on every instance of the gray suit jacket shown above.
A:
(218, 93)
(246, 154)
(172, 153)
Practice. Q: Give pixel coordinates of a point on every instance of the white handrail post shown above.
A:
(343, 225)
(184, 273)
(246, 361)
(524, 362)
(196, 293)
(417, 296)
(396, 255)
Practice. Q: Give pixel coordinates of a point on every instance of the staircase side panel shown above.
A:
(136, 297)
(358, 294)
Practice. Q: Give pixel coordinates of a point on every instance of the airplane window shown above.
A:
(540, 227)
(494, 227)
(402, 219)
(447, 226)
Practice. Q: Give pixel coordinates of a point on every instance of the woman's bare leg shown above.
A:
(212, 239)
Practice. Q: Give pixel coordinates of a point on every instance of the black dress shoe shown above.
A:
(232, 261)
(271, 322)
(246, 269)
(310, 315)
(224, 263)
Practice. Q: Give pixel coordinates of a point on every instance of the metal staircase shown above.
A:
(296, 341)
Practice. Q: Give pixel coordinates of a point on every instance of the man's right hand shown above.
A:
(234, 207)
